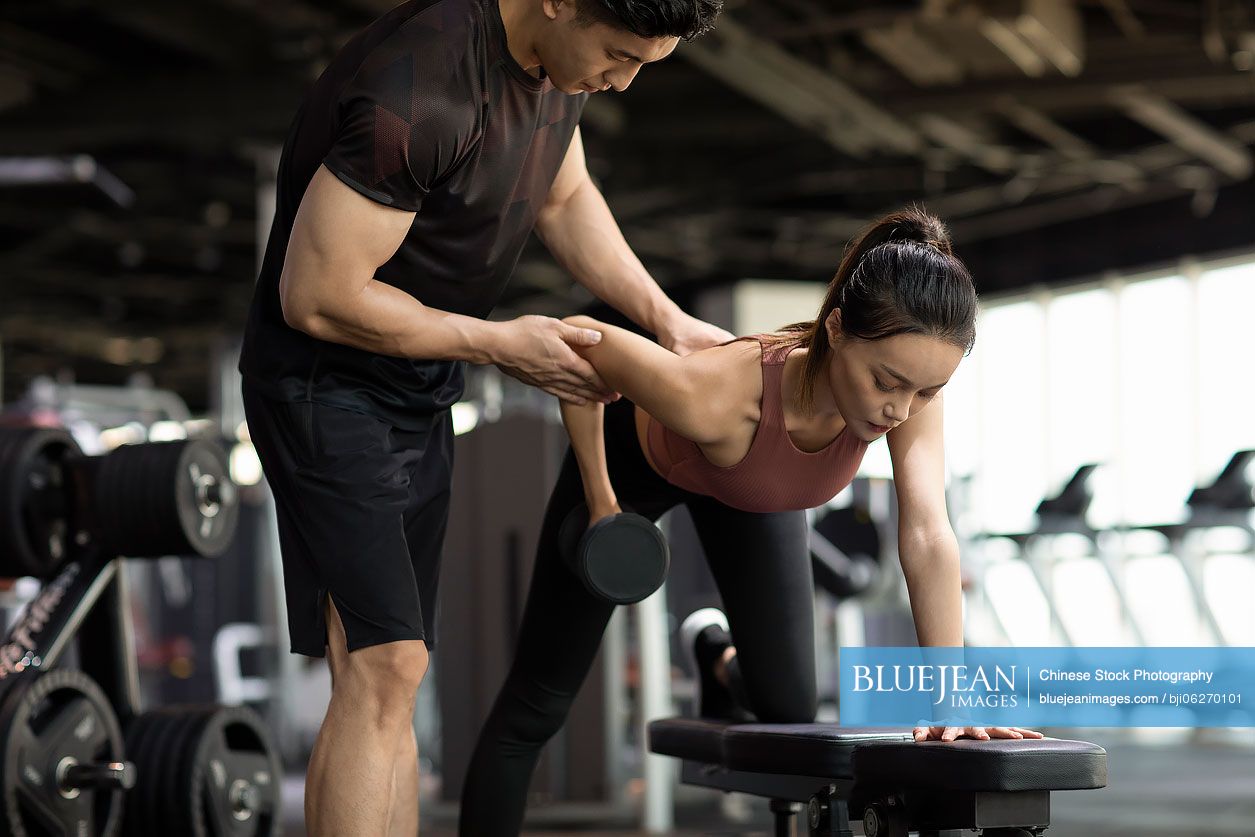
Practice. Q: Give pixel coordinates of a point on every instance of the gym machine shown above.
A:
(1226, 503)
(78, 754)
(1065, 514)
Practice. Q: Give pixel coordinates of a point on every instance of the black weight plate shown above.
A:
(166, 498)
(177, 733)
(162, 756)
(137, 819)
(135, 496)
(34, 500)
(36, 734)
(150, 734)
(206, 499)
(184, 743)
(234, 747)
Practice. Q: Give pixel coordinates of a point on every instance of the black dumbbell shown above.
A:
(622, 558)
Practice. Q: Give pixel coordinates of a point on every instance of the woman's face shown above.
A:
(878, 384)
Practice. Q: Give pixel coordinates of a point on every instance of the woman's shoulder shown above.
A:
(729, 381)
(729, 362)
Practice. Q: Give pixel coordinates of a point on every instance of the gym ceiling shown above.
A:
(1059, 139)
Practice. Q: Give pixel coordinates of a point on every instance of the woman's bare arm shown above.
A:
(687, 394)
(692, 395)
(584, 426)
(927, 547)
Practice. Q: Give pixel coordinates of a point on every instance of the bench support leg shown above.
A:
(828, 815)
(783, 812)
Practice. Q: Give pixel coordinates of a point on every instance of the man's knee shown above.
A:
(388, 675)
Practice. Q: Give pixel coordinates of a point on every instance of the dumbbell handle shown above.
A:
(114, 774)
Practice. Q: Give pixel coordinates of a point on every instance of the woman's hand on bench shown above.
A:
(979, 733)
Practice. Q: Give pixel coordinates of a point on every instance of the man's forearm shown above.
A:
(583, 236)
(382, 319)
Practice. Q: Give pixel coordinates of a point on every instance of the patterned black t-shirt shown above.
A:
(427, 111)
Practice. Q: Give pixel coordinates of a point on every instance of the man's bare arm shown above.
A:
(329, 291)
(579, 230)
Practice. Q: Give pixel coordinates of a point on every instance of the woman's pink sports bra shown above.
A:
(774, 475)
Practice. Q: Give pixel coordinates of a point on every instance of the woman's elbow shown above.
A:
(933, 549)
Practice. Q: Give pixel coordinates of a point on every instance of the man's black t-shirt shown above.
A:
(427, 111)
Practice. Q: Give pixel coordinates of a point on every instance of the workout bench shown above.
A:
(1000, 788)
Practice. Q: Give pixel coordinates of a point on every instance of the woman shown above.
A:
(743, 433)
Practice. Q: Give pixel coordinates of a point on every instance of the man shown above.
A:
(413, 173)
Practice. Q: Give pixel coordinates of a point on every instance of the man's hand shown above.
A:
(685, 335)
(538, 351)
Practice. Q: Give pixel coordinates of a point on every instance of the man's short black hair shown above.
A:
(652, 18)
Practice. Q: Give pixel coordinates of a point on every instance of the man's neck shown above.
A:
(517, 15)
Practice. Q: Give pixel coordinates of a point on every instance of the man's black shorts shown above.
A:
(362, 508)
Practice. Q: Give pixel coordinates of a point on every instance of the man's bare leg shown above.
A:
(349, 782)
(403, 816)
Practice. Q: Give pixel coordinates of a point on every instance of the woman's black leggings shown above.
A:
(761, 565)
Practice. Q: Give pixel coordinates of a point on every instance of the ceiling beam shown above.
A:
(965, 142)
(1200, 139)
(1077, 96)
(801, 92)
(913, 55)
(1037, 124)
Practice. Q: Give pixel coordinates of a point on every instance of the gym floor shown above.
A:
(1197, 789)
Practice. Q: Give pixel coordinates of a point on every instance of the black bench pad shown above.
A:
(694, 739)
(883, 756)
(1048, 764)
(809, 749)
(714, 742)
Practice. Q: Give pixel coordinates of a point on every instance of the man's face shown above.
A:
(588, 57)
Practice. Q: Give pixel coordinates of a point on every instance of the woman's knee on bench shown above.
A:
(783, 701)
(786, 709)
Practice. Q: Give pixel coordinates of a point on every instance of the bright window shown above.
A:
(1156, 420)
(1226, 367)
(1011, 350)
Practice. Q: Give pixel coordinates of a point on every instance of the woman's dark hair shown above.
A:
(898, 276)
(652, 18)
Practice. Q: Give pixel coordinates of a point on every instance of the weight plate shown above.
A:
(50, 721)
(207, 500)
(138, 736)
(34, 500)
(209, 772)
(236, 774)
(144, 739)
(167, 498)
